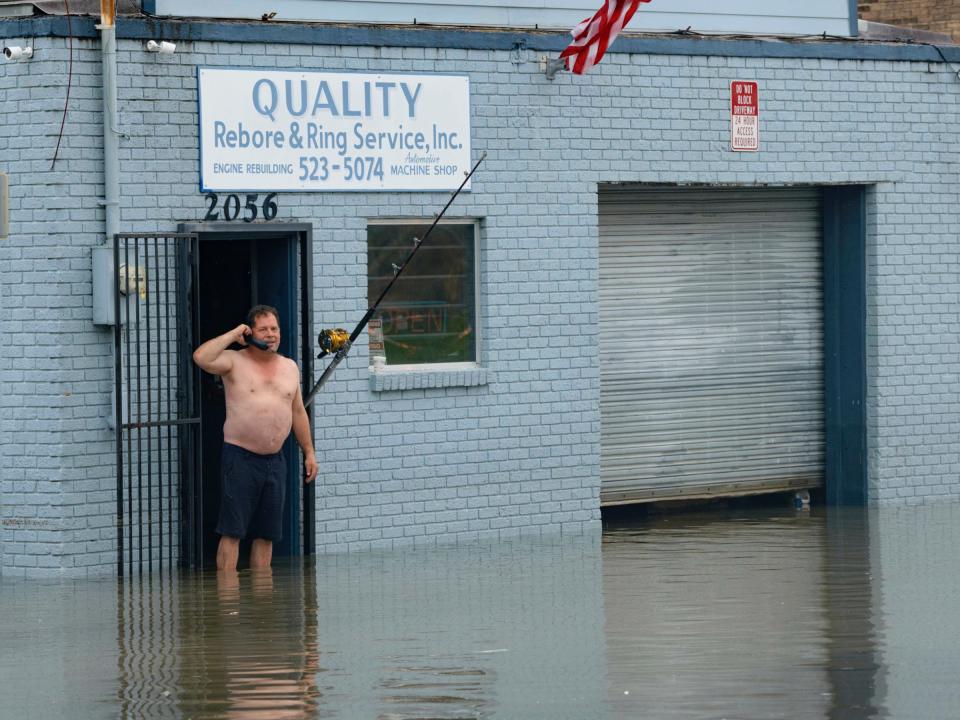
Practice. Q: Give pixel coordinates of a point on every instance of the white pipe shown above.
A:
(111, 138)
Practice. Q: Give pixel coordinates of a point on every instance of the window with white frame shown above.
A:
(430, 314)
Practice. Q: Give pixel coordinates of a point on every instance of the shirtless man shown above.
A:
(263, 404)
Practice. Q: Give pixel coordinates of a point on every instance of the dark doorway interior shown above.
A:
(236, 271)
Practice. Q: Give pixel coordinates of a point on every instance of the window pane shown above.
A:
(429, 314)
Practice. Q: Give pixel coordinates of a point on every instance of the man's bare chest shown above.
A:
(253, 382)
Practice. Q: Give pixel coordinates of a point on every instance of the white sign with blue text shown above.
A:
(276, 130)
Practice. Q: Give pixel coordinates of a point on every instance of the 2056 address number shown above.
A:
(231, 207)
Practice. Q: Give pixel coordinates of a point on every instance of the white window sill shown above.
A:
(429, 376)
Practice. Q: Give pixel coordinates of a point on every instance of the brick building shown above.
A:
(929, 15)
(628, 310)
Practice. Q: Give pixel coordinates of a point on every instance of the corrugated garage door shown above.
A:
(711, 342)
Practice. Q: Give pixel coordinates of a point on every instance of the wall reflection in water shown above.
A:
(746, 614)
(735, 615)
(511, 631)
(916, 585)
(58, 648)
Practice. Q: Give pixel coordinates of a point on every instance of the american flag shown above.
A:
(593, 36)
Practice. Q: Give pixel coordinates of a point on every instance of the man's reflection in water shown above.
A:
(269, 657)
(227, 645)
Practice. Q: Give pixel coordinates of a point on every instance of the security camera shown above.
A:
(18, 53)
(163, 47)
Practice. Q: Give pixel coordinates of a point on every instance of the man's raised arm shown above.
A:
(211, 356)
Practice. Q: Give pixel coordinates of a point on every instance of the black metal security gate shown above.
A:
(157, 410)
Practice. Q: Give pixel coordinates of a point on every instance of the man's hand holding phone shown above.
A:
(260, 344)
(244, 336)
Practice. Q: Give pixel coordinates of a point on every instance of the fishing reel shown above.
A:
(333, 340)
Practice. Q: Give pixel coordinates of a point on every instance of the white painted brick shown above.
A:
(426, 465)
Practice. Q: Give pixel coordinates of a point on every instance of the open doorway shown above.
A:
(240, 267)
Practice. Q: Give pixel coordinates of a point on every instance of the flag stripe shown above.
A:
(593, 36)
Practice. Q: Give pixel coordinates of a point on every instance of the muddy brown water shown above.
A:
(764, 613)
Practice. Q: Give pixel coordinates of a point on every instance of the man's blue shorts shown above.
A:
(252, 489)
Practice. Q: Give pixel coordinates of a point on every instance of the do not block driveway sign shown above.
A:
(744, 116)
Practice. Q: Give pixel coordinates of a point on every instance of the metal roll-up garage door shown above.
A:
(711, 342)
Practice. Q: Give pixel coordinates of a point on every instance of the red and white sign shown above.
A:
(744, 116)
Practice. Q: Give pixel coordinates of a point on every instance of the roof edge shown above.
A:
(681, 43)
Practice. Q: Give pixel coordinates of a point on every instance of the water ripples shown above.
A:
(739, 614)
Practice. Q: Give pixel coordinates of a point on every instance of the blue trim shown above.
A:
(150, 6)
(300, 34)
(845, 356)
(854, 17)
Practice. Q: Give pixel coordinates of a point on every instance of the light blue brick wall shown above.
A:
(519, 452)
(55, 495)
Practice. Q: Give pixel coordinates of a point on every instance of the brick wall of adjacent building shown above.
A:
(55, 480)
(942, 17)
(519, 452)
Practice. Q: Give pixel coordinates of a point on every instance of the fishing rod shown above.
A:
(337, 341)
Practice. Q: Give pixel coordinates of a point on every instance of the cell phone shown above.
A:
(251, 340)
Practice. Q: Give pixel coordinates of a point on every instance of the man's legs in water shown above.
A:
(227, 553)
(261, 553)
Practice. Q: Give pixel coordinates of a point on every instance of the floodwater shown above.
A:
(762, 613)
